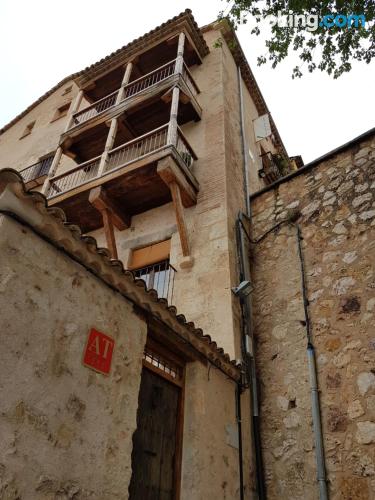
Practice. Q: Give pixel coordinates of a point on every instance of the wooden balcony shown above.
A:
(147, 87)
(35, 174)
(271, 170)
(133, 177)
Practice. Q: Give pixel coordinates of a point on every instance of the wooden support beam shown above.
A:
(184, 98)
(109, 233)
(172, 127)
(108, 145)
(172, 40)
(125, 81)
(180, 218)
(52, 170)
(73, 109)
(180, 53)
(100, 200)
(170, 172)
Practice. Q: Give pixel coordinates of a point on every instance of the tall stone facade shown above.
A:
(336, 204)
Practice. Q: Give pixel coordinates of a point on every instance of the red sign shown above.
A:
(98, 352)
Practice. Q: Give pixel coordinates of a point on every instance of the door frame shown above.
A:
(169, 363)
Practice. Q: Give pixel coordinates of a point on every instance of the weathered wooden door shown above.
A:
(154, 442)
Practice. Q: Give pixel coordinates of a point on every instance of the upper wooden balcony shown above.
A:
(147, 87)
(132, 177)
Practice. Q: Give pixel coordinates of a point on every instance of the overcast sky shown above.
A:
(42, 41)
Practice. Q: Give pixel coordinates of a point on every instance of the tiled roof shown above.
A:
(30, 207)
(124, 52)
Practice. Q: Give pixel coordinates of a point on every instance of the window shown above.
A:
(61, 111)
(28, 130)
(67, 90)
(151, 264)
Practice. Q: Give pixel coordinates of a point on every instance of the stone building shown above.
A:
(115, 382)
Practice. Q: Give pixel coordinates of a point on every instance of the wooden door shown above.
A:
(155, 440)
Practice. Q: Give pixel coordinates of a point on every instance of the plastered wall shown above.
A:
(65, 431)
(210, 451)
(20, 153)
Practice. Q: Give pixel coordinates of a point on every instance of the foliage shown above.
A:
(330, 50)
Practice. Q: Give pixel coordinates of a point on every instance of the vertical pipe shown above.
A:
(239, 427)
(315, 403)
(248, 340)
(249, 359)
(244, 147)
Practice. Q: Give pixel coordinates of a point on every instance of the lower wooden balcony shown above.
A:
(133, 178)
(34, 175)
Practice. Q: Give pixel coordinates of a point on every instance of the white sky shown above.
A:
(42, 41)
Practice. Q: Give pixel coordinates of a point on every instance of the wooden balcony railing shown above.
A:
(187, 76)
(37, 170)
(137, 148)
(133, 88)
(271, 171)
(159, 277)
(95, 109)
(121, 156)
(75, 177)
(150, 79)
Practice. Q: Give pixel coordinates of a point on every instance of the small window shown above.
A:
(151, 264)
(61, 111)
(28, 130)
(67, 90)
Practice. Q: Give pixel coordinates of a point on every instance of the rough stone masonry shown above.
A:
(336, 201)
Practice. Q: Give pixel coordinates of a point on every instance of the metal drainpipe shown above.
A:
(315, 402)
(247, 334)
(239, 428)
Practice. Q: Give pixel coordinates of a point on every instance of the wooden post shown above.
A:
(108, 145)
(180, 218)
(125, 81)
(73, 109)
(109, 232)
(52, 170)
(172, 126)
(101, 201)
(180, 53)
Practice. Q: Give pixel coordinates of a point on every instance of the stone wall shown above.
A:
(336, 199)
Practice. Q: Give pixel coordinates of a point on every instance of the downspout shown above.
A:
(246, 306)
(311, 358)
(315, 402)
(239, 429)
